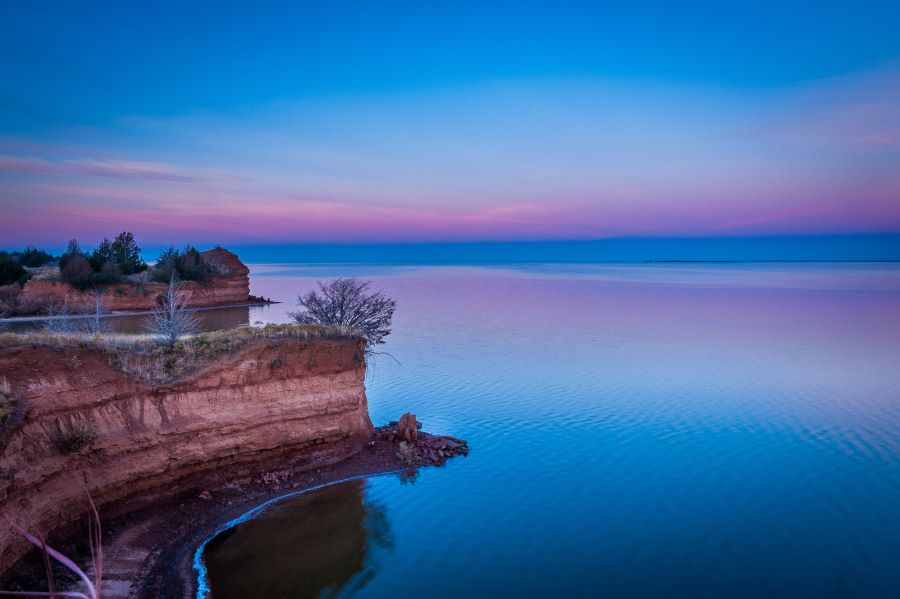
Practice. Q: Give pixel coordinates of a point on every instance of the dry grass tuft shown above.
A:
(407, 453)
(80, 435)
(7, 401)
(10, 410)
(145, 359)
(152, 363)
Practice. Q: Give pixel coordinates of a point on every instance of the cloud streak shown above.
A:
(119, 169)
(563, 159)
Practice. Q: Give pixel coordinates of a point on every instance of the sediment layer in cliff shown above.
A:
(87, 425)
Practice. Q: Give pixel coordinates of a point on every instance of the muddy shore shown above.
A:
(149, 546)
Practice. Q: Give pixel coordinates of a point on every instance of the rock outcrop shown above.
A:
(86, 425)
(229, 284)
(419, 448)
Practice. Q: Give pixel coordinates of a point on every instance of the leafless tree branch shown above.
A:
(347, 304)
(171, 318)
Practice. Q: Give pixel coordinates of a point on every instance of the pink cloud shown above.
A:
(815, 159)
(31, 166)
(122, 169)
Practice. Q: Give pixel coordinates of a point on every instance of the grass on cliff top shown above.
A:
(237, 335)
(146, 360)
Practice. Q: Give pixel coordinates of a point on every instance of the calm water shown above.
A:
(650, 430)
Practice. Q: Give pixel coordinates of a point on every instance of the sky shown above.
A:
(414, 122)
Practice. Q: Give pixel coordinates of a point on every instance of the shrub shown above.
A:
(166, 265)
(406, 452)
(109, 274)
(80, 435)
(9, 299)
(345, 304)
(72, 250)
(77, 272)
(11, 271)
(188, 265)
(33, 257)
(192, 266)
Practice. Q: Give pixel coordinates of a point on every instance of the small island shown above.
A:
(36, 283)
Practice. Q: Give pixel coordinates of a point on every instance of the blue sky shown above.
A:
(92, 62)
(413, 122)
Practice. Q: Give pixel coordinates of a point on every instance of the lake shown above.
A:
(658, 430)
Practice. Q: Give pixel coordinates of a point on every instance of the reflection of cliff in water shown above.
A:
(210, 320)
(305, 546)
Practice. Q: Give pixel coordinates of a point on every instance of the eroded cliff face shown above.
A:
(271, 396)
(230, 284)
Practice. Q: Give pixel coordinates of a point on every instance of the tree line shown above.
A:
(111, 262)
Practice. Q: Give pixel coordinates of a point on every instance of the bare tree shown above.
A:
(96, 321)
(171, 318)
(59, 319)
(348, 305)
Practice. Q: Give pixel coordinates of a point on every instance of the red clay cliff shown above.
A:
(269, 397)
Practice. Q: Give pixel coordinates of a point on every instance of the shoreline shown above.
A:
(201, 581)
(152, 541)
(121, 313)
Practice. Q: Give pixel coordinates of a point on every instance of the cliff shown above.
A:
(86, 423)
(230, 284)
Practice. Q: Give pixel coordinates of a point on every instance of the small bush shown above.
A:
(166, 265)
(9, 299)
(77, 272)
(406, 453)
(80, 435)
(109, 274)
(11, 271)
(188, 265)
(72, 250)
(192, 266)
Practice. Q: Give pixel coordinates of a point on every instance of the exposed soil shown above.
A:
(244, 401)
(149, 548)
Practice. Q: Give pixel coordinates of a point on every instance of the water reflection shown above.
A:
(640, 431)
(210, 320)
(310, 545)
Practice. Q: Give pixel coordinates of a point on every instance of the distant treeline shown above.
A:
(112, 261)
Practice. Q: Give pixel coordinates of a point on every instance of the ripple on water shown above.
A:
(703, 433)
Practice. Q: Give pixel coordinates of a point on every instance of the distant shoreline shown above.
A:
(520, 262)
(118, 313)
